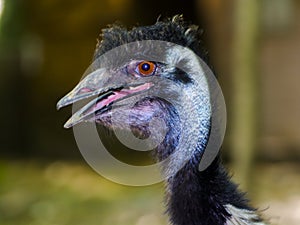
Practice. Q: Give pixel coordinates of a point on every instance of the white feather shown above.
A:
(242, 216)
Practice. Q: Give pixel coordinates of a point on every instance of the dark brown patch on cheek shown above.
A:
(141, 131)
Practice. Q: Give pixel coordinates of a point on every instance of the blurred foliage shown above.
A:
(39, 193)
(69, 193)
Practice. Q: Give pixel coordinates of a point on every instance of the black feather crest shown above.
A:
(174, 30)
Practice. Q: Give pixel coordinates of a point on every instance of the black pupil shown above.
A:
(146, 66)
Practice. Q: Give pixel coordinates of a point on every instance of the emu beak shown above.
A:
(103, 85)
(85, 89)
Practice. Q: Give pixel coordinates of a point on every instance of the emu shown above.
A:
(194, 197)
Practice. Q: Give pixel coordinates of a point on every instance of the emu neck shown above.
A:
(194, 197)
(200, 198)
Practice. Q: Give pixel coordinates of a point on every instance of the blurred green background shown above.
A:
(45, 47)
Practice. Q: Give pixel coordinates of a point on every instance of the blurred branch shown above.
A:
(245, 88)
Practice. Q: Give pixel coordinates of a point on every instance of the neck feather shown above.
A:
(207, 197)
(201, 198)
(196, 197)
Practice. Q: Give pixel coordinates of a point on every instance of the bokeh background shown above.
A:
(45, 47)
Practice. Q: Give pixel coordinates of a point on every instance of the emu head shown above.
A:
(148, 74)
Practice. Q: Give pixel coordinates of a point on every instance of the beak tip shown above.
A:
(68, 124)
(58, 107)
(60, 104)
(65, 101)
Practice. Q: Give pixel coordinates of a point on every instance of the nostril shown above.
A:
(84, 90)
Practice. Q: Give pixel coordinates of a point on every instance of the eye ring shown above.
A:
(146, 68)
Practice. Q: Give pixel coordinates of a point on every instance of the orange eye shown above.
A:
(146, 68)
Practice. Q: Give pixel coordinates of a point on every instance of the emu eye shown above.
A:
(146, 68)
